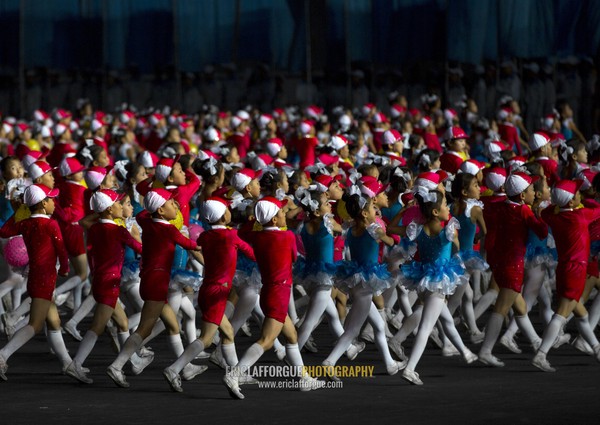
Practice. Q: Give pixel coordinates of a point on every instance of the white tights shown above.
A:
(320, 302)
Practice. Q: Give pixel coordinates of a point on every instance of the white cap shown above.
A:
(155, 199)
(213, 209)
(267, 208)
(103, 199)
(36, 193)
(337, 142)
(538, 140)
(517, 182)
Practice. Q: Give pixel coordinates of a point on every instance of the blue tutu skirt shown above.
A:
(372, 276)
(183, 277)
(536, 256)
(311, 274)
(247, 273)
(442, 276)
(473, 260)
(130, 271)
(401, 253)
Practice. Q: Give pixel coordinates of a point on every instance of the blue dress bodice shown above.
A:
(318, 247)
(363, 249)
(432, 248)
(466, 234)
(392, 210)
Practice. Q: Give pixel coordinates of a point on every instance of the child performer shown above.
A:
(159, 238)
(513, 218)
(107, 241)
(436, 275)
(219, 246)
(275, 251)
(44, 244)
(569, 222)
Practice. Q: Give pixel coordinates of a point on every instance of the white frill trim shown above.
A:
(328, 223)
(374, 229)
(470, 203)
(451, 228)
(413, 230)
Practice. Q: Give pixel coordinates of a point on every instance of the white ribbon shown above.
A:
(426, 195)
(211, 166)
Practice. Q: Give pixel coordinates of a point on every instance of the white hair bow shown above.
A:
(426, 195)
(318, 168)
(306, 199)
(120, 168)
(85, 152)
(425, 159)
(354, 176)
(211, 166)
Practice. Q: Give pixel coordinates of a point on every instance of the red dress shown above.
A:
(512, 224)
(107, 242)
(241, 142)
(570, 229)
(69, 210)
(508, 133)
(159, 238)
(432, 141)
(44, 243)
(305, 146)
(275, 251)
(219, 247)
(183, 194)
(489, 217)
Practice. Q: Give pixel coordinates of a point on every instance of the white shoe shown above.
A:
(476, 337)
(247, 380)
(536, 344)
(138, 364)
(117, 376)
(145, 352)
(469, 356)
(3, 369)
(396, 321)
(231, 382)
(308, 383)
(190, 371)
(330, 371)
(72, 330)
(510, 344)
(490, 360)
(202, 356)
(246, 329)
(74, 370)
(450, 350)
(540, 361)
(395, 367)
(217, 358)
(581, 344)
(412, 377)
(355, 348)
(397, 349)
(280, 353)
(561, 340)
(173, 379)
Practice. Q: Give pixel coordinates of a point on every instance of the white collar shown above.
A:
(454, 153)
(39, 216)
(160, 220)
(107, 221)
(565, 209)
(508, 201)
(218, 226)
(542, 158)
(171, 187)
(272, 229)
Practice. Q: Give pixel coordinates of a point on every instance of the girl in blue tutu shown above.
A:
(436, 275)
(362, 277)
(468, 210)
(316, 271)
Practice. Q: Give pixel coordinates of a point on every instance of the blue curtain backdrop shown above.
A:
(117, 34)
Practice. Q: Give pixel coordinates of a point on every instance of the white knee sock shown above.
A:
(84, 309)
(294, 357)
(176, 344)
(189, 354)
(492, 331)
(68, 285)
(583, 326)
(431, 311)
(122, 337)
(527, 328)
(85, 347)
(251, 356)
(229, 354)
(18, 340)
(551, 332)
(485, 302)
(57, 343)
(594, 312)
(132, 344)
(292, 308)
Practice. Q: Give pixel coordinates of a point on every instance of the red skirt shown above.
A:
(274, 300)
(212, 300)
(73, 238)
(154, 285)
(509, 276)
(106, 290)
(570, 279)
(41, 282)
